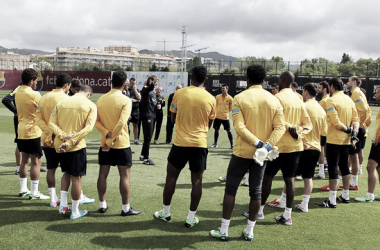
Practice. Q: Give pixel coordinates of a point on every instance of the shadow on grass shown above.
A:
(153, 242)
(11, 217)
(188, 186)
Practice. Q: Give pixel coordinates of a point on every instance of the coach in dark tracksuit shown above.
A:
(169, 124)
(159, 113)
(148, 105)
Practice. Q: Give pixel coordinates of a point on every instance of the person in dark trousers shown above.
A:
(169, 124)
(159, 114)
(148, 115)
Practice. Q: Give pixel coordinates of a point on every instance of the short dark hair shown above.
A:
(85, 88)
(28, 75)
(325, 80)
(132, 79)
(337, 83)
(225, 85)
(311, 88)
(75, 83)
(294, 85)
(199, 73)
(118, 78)
(62, 79)
(275, 86)
(325, 85)
(256, 74)
(357, 79)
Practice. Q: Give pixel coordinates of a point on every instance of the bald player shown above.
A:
(290, 146)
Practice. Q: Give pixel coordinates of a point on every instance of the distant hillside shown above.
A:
(215, 55)
(24, 51)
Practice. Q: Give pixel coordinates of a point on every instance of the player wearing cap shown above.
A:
(290, 146)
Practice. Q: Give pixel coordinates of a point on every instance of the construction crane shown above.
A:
(199, 51)
(164, 41)
(183, 54)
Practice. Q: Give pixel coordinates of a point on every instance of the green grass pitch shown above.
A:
(28, 224)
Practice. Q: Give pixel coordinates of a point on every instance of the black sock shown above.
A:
(216, 136)
(230, 137)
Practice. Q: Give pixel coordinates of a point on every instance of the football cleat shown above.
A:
(160, 216)
(353, 188)
(218, 235)
(365, 198)
(276, 203)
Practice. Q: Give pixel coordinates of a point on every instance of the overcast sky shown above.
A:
(292, 29)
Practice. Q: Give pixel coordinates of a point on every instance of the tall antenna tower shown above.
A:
(183, 55)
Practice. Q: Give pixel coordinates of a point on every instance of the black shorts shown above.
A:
(226, 124)
(115, 157)
(52, 158)
(135, 116)
(337, 155)
(197, 158)
(361, 137)
(308, 162)
(323, 141)
(74, 163)
(15, 124)
(362, 143)
(287, 162)
(30, 146)
(374, 154)
(237, 168)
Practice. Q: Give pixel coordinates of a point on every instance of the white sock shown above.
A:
(325, 160)
(321, 169)
(371, 196)
(224, 226)
(261, 210)
(75, 208)
(287, 213)
(191, 215)
(34, 187)
(81, 195)
(345, 194)
(23, 184)
(103, 204)
(125, 207)
(339, 177)
(332, 197)
(305, 200)
(247, 178)
(18, 168)
(166, 210)
(64, 198)
(354, 180)
(360, 167)
(283, 198)
(250, 226)
(53, 195)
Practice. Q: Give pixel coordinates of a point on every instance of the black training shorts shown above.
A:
(197, 158)
(74, 163)
(218, 122)
(287, 162)
(30, 146)
(115, 157)
(52, 158)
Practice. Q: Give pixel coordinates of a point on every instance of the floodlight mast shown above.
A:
(183, 54)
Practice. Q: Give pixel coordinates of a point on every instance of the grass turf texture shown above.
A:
(34, 225)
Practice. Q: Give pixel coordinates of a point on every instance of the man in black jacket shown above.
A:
(148, 115)
(159, 113)
(9, 102)
(169, 124)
